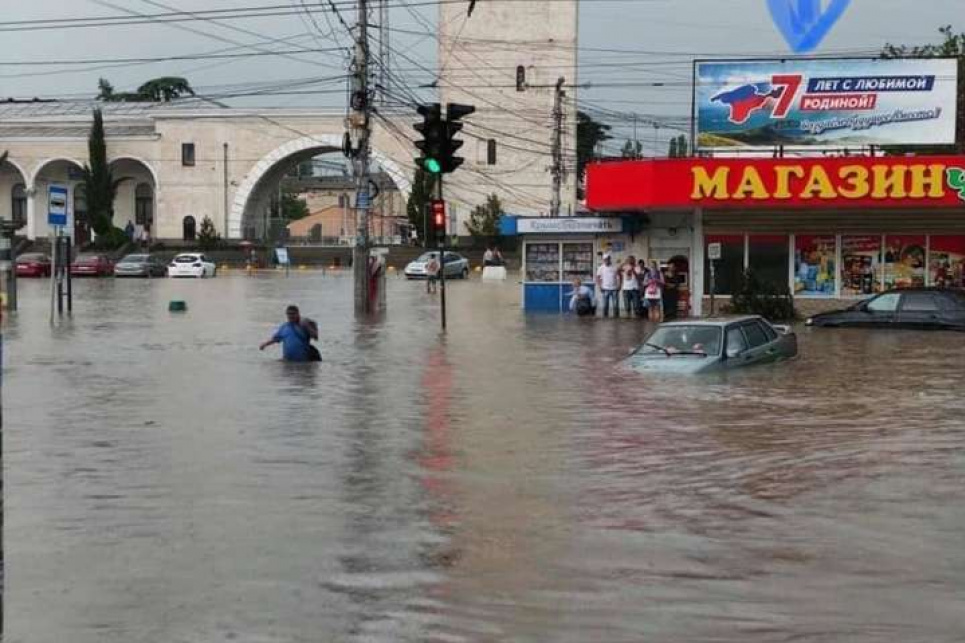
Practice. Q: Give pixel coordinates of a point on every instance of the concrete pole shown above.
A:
(361, 124)
(557, 148)
(225, 166)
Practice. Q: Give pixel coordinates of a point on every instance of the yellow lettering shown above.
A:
(927, 181)
(784, 173)
(751, 186)
(855, 179)
(888, 182)
(710, 187)
(818, 185)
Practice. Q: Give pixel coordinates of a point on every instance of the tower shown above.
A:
(506, 58)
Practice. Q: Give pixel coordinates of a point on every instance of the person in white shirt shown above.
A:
(582, 301)
(608, 280)
(630, 278)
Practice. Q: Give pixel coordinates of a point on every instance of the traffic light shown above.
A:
(454, 114)
(433, 130)
(437, 210)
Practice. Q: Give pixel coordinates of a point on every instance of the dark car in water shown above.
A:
(33, 264)
(92, 265)
(921, 308)
(141, 265)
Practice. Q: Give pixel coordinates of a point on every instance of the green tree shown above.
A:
(292, 207)
(953, 46)
(158, 90)
(422, 185)
(589, 134)
(484, 221)
(672, 153)
(679, 147)
(632, 150)
(99, 182)
(208, 237)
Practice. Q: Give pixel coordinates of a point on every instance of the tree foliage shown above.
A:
(422, 185)
(208, 237)
(632, 150)
(679, 147)
(293, 208)
(99, 183)
(589, 135)
(158, 90)
(484, 221)
(953, 46)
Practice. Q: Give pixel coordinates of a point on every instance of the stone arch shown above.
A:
(36, 213)
(32, 181)
(322, 143)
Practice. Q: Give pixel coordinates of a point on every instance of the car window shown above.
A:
(919, 302)
(185, 259)
(736, 343)
(952, 301)
(769, 332)
(886, 303)
(755, 334)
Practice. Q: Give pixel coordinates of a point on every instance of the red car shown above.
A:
(33, 264)
(92, 266)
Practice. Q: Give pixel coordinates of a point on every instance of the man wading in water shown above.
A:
(295, 337)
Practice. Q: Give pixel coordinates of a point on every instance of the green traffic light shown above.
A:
(432, 166)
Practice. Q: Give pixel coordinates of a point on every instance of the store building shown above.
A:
(831, 229)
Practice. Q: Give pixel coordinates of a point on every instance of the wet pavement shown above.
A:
(166, 481)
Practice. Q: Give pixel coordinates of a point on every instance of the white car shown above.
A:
(191, 264)
(457, 266)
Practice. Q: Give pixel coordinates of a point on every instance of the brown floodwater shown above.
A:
(167, 482)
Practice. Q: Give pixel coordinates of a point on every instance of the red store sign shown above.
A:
(846, 182)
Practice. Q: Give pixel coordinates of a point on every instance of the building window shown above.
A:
(814, 270)
(188, 228)
(946, 262)
(144, 205)
(491, 152)
(520, 78)
(18, 203)
(860, 265)
(187, 154)
(904, 261)
(729, 268)
(769, 259)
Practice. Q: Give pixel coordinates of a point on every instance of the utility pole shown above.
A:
(557, 148)
(361, 124)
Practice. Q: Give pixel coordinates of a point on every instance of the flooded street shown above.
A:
(167, 482)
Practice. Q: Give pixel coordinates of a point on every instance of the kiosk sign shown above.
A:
(57, 205)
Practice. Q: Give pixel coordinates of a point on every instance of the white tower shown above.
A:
(506, 59)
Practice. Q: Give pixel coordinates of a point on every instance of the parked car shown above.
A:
(455, 265)
(711, 345)
(92, 265)
(33, 264)
(191, 264)
(140, 265)
(922, 308)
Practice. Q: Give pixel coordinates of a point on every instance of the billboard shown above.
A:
(828, 102)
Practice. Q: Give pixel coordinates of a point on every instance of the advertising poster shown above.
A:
(839, 103)
(814, 270)
(904, 261)
(946, 258)
(860, 265)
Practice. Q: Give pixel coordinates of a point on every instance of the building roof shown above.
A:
(36, 108)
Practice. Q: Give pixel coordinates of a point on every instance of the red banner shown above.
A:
(844, 182)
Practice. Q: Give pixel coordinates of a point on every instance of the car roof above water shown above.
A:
(714, 321)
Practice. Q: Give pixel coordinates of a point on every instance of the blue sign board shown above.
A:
(57, 206)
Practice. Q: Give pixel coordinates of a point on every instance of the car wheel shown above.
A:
(464, 274)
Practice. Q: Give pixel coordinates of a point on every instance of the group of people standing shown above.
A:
(139, 234)
(645, 290)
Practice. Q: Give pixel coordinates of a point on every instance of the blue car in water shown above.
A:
(713, 345)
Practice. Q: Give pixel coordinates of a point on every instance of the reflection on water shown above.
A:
(166, 481)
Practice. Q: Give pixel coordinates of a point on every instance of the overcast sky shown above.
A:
(665, 33)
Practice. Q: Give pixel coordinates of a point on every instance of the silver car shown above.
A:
(710, 345)
(457, 266)
(140, 265)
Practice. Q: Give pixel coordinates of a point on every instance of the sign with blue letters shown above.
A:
(57, 205)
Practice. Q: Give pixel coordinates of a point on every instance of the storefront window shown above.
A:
(543, 262)
(768, 258)
(860, 265)
(904, 261)
(578, 262)
(946, 262)
(730, 267)
(814, 271)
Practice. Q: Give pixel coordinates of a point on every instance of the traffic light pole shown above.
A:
(442, 258)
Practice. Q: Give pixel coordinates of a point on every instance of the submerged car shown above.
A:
(456, 266)
(711, 345)
(921, 308)
(92, 265)
(33, 264)
(191, 264)
(140, 265)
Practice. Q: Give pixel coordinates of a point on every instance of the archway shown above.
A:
(189, 230)
(57, 171)
(13, 192)
(136, 197)
(256, 191)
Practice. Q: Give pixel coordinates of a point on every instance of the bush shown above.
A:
(208, 237)
(113, 239)
(756, 297)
